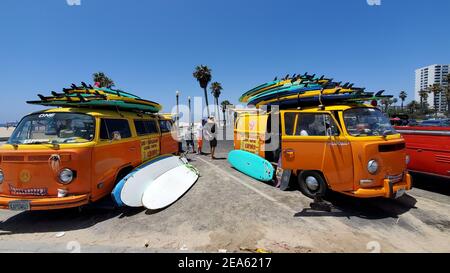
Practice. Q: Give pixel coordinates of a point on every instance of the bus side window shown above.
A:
(151, 127)
(165, 126)
(332, 128)
(114, 129)
(289, 120)
(145, 127)
(308, 125)
(140, 127)
(316, 125)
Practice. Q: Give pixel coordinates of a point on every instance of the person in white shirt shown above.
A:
(200, 136)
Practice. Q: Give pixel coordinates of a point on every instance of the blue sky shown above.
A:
(151, 47)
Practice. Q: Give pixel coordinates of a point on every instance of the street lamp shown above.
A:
(180, 144)
(189, 105)
(191, 123)
(178, 110)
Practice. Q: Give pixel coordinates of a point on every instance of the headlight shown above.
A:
(407, 159)
(372, 166)
(2, 176)
(65, 176)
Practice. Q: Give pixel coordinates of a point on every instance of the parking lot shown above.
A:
(228, 211)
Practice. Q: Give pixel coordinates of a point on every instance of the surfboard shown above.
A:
(278, 94)
(169, 187)
(100, 94)
(292, 85)
(251, 91)
(107, 104)
(89, 97)
(285, 83)
(115, 194)
(324, 99)
(138, 181)
(269, 86)
(296, 95)
(251, 165)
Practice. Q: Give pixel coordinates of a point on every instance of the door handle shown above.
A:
(289, 153)
(132, 149)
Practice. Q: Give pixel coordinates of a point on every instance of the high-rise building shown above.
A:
(427, 76)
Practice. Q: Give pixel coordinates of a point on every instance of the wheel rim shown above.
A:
(311, 183)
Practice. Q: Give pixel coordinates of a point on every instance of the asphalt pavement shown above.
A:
(228, 211)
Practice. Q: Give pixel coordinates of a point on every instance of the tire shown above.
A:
(122, 173)
(312, 184)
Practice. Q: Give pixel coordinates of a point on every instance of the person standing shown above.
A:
(200, 136)
(211, 135)
(189, 137)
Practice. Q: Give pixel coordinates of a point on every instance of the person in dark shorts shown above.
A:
(211, 135)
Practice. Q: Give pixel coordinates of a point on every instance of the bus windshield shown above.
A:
(54, 128)
(367, 122)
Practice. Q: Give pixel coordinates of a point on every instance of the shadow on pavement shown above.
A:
(64, 219)
(431, 183)
(374, 208)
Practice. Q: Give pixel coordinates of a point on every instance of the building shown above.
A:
(429, 75)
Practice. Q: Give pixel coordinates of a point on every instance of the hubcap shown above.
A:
(312, 183)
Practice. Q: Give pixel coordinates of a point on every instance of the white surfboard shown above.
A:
(169, 187)
(138, 182)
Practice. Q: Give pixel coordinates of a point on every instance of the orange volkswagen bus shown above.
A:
(352, 149)
(68, 157)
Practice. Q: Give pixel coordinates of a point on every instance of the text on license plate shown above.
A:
(19, 205)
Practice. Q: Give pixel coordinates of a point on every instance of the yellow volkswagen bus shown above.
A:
(68, 157)
(351, 149)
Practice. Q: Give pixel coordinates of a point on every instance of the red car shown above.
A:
(428, 149)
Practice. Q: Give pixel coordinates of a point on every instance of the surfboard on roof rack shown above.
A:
(305, 79)
(86, 96)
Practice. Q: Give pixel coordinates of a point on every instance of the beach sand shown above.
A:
(5, 133)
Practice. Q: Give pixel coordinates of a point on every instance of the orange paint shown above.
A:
(30, 174)
(338, 155)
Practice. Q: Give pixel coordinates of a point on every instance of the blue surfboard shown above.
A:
(326, 99)
(115, 194)
(290, 87)
(282, 93)
(251, 165)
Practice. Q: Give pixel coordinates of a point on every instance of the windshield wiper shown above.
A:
(387, 132)
(37, 141)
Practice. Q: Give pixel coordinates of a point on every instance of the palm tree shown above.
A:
(203, 75)
(388, 102)
(224, 105)
(394, 102)
(385, 103)
(413, 106)
(216, 89)
(436, 89)
(403, 95)
(423, 94)
(103, 80)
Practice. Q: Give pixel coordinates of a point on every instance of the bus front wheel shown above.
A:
(312, 184)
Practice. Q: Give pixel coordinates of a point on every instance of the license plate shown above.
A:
(400, 193)
(19, 205)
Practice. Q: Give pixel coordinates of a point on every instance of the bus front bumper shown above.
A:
(45, 203)
(390, 189)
